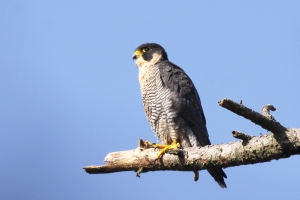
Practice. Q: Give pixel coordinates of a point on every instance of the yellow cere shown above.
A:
(138, 53)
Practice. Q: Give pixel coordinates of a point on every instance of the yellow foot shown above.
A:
(154, 145)
(163, 148)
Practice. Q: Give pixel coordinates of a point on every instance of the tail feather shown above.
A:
(218, 174)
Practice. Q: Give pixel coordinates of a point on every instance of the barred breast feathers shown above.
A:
(153, 95)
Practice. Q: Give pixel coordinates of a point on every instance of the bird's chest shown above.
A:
(151, 90)
(154, 96)
(150, 82)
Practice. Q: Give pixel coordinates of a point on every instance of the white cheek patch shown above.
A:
(155, 58)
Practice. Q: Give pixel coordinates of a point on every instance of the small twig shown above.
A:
(141, 144)
(138, 173)
(265, 111)
(196, 175)
(242, 136)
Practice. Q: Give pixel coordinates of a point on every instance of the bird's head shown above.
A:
(149, 54)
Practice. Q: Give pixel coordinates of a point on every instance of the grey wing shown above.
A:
(188, 104)
(187, 99)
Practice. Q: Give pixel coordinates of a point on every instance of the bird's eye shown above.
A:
(145, 49)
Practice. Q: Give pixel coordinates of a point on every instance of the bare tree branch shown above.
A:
(282, 144)
(250, 114)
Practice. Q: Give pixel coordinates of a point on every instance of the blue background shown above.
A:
(69, 92)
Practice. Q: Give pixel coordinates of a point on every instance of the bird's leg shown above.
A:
(173, 145)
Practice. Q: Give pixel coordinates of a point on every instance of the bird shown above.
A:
(172, 104)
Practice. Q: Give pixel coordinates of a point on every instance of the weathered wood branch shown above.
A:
(250, 114)
(282, 144)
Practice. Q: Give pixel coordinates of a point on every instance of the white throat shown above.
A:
(146, 68)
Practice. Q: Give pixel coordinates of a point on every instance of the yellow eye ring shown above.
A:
(144, 50)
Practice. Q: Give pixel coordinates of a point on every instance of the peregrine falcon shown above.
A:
(172, 103)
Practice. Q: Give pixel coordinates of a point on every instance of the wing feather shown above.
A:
(188, 104)
(186, 99)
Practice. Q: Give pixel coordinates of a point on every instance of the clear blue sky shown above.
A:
(69, 92)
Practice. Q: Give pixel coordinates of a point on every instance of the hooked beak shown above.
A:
(137, 54)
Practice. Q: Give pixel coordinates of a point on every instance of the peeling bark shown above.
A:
(282, 142)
